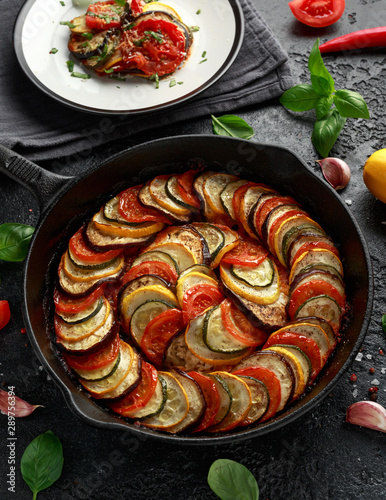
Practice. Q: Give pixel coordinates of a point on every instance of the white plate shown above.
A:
(38, 30)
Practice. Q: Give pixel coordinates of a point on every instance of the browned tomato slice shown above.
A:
(200, 297)
(247, 253)
(79, 248)
(132, 210)
(238, 325)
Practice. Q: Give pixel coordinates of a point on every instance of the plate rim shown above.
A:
(233, 52)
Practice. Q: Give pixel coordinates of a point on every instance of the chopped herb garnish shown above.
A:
(203, 60)
(87, 35)
(148, 1)
(70, 66)
(53, 50)
(129, 26)
(85, 45)
(62, 4)
(156, 36)
(68, 23)
(199, 11)
(120, 2)
(138, 43)
(108, 71)
(194, 28)
(180, 83)
(75, 74)
(155, 77)
(203, 54)
(172, 83)
(117, 77)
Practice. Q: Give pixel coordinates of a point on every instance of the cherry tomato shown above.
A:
(272, 384)
(79, 249)
(307, 345)
(153, 46)
(96, 360)
(238, 325)
(161, 269)
(5, 313)
(158, 332)
(185, 187)
(311, 246)
(140, 396)
(312, 289)
(101, 16)
(132, 210)
(212, 399)
(67, 305)
(317, 13)
(198, 298)
(247, 253)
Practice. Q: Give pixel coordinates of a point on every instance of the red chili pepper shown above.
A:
(373, 37)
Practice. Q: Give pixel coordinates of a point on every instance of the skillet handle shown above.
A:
(43, 184)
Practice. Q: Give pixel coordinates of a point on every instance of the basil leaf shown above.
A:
(326, 131)
(300, 98)
(351, 104)
(321, 85)
(233, 126)
(42, 462)
(323, 106)
(384, 323)
(232, 481)
(14, 241)
(317, 67)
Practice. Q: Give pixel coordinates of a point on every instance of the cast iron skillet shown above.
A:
(66, 202)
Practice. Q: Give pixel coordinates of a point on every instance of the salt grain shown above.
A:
(375, 382)
(355, 393)
(359, 357)
(348, 202)
(368, 356)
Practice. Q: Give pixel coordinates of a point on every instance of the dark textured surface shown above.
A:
(317, 458)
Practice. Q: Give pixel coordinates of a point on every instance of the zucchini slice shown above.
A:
(226, 197)
(276, 213)
(83, 47)
(189, 280)
(158, 191)
(301, 240)
(181, 255)
(156, 255)
(81, 264)
(178, 355)
(77, 274)
(111, 213)
(240, 404)
(143, 315)
(130, 382)
(198, 188)
(100, 373)
(212, 187)
(293, 233)
(171, 189)
(318, 275)
(260, 276)
(317, 256)
(322, 306)
(84, 315)
(101, 242)
(154, 405)
(213, 235)
(324, 325)
(216, 336)
(248, 201)
(111, 228)
(225, 398)
(231, 240)
(304, 360)
(259, 399)
(276, 363)
(199, 268)
(80, 25)
(175, 408)
(147, 200)
(140, 282)
(254, 213)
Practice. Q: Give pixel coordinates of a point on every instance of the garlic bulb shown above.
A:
(336, 172)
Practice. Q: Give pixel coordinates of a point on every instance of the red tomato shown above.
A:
(238, 325)
(158, 332)
(79, 249)
(137, 6)
(272, 384)
(101, 16)
(161, 269)
(307, 345)
(153, 46)
(96, 360)
(275, 226)
(212, 399)
(5, 313)
(131, 209)
(247, 253)
(185, 186)
(67, 305)
(311, 246)
(198, 298)
(312, 289)
(269, 204)
(141, 395)
(238, 195)
(317, 13)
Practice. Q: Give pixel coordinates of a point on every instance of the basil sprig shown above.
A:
(42, 462)
(384, 323)
(232, 126)
(232, 481)
(332, 107)
(14, 241)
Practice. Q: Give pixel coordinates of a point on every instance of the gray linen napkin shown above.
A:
(40, 128)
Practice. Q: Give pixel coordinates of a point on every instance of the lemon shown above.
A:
(374, 174)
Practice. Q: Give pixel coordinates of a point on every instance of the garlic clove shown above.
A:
(367, 414)
(20, 408)
(336, 172)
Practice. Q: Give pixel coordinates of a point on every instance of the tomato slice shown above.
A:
(317, 13)
(311, 246)
(141, 395)
(185, 187)
(312, 289)
(104, 15)
(161, 269)
(96, 360)
(212, 399)
(137, 6)
(275, 226)
(307, 345)
(247, 253)
(79, 249)
(237, 196)
(272, 384)
(238, 325)
(158, 332)
(268, 205)
(5, 313)
(153, 46)
(198, 298)
(132, 210)
(72, 306)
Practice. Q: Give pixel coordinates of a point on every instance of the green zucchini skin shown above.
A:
(89, 316)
